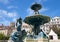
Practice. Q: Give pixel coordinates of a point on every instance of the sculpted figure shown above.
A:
(18, 35)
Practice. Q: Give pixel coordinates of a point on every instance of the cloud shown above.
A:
(8, 14)
(2, 18)
(14, 19)
(41, 0)
(31, 12)
(11, 7)
(43, 10)
(4, 1)
(7, 17)
(5, 22)
(12, 14)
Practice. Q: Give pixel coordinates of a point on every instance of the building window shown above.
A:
(54, 19)
(57, 19)
(50, 37)
(58, 22)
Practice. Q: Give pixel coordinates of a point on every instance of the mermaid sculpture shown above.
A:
(18, 35)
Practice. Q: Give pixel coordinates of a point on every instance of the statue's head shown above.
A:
(19, 20)
(19, 24)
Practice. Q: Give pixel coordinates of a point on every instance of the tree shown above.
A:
(3, 37)
(36, 21)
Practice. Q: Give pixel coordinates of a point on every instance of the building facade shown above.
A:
(53, 22)
(6, 30)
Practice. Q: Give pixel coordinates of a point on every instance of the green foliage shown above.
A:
(6, 37)
(37, 19)
(3, 37)
(58, 37)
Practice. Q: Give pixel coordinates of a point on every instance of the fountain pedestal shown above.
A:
(36, 40)
(41, 37)
(42, 40)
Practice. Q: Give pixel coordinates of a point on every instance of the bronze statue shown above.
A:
(18, 35)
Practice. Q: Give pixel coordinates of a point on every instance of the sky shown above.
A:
(10, 10)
